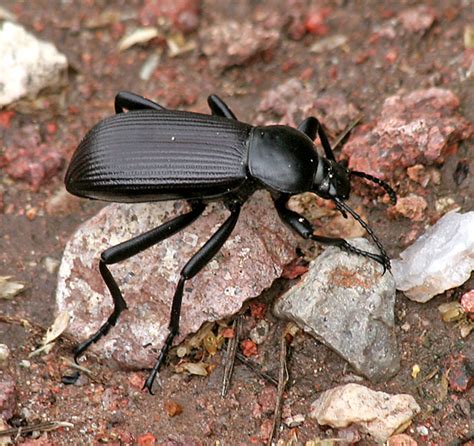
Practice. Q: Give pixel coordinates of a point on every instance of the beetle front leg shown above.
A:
(310, 127)
(197, 262)
(132, 101)
(304, 228)
(126, 250)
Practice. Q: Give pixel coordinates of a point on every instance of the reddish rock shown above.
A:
(8, 397)
(294, 101)
(249, 348)
(419, 127)
(467, 303)
(219, 43)
(26, 157)
(315, 22)
(401, 440)
(417, 19)
(412, 207)
(460, 375)
(267, 399)
(253, 257)
(147, 439)
(35, 165)
(184, 15)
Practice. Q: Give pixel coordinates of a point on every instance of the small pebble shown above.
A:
(422, 430)
(295, 420)
(259, 333)
(51, 264)
(25, 363)
(4, 355)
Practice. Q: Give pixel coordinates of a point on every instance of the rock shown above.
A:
(460, 372)
(420, 127)
(28, 159)
(4, 356)
(184, 15)
(220, 44)
(252, 258)
(401, 440)
(376, 413)
(27, 65)
(467, 303)
(345, 302)
(8, 397)
(417, 19)
(294, 101)
(412, 206)
(441, 259)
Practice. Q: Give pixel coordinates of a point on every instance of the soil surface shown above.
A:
(36, 222)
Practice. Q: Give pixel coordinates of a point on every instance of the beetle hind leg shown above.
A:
(197, 262)
(219, 107)
(128, 249)
(132, 101)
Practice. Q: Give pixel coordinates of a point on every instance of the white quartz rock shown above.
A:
(27, 65)
(442, 258)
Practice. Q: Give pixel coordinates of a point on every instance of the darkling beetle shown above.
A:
(154, 154)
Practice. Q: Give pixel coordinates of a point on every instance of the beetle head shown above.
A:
(332, 180)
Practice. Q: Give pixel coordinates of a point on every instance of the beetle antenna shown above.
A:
(344, 207)
(392, 194)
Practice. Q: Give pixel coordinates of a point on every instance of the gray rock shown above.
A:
(252, 258)
(441, 259)
(345, 302)
(27, 64)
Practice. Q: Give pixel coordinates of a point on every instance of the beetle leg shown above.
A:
(126, 250)
(197, 262)
(132, 101)
(304, 228)
(219, 107)
(309, 127)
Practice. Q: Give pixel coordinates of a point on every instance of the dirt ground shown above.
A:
(111, 408)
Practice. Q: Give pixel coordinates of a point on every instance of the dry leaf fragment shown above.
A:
(194, 368)
(415, 370)
(140, 35)
(10, 288)
(451, 311)
(173, 408)
(54, 331)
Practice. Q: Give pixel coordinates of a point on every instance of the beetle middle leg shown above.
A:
(304, 228)
(132, 101)
(197, 262)
(128, 249)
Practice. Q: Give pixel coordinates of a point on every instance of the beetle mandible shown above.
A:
(154, 154)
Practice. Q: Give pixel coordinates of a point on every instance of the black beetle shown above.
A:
(155, 154)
